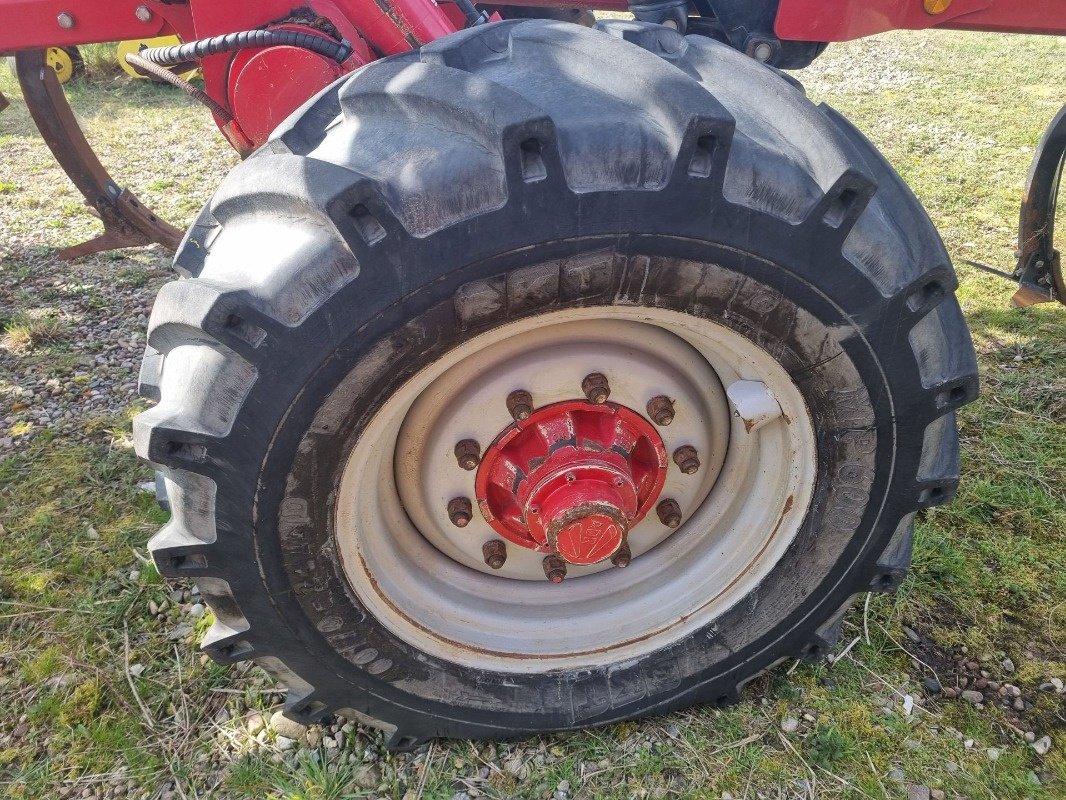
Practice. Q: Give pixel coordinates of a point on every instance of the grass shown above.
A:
(97, 691)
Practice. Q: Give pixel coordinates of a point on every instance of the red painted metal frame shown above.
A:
(842, 20)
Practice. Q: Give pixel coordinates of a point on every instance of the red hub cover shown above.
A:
(572, 479)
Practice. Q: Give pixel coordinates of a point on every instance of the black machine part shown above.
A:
(1039, 270)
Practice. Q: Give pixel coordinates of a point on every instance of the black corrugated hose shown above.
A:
(189, 51)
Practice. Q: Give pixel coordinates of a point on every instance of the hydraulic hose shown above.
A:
(167, 76)
(202, 48)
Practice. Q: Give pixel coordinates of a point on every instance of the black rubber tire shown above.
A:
(524, 167)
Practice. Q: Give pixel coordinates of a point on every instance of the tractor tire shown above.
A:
(511, 208)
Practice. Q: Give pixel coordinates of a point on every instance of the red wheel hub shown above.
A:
(573, 478)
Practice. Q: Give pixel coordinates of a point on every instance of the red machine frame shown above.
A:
(387, 27)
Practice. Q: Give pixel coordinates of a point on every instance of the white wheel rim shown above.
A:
(425, 579)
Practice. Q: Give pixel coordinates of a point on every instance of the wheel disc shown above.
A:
(427, 579)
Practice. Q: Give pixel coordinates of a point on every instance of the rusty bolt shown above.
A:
(520, 404)
(622, 557)
(460, 511)
(468, 454)
(669, 513)
(554, 568)
(495, 553)
(687, 458)
(661, 410)
(65, 20)
(143, 13)
(596, 388)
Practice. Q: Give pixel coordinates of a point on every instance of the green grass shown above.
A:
(957, 114)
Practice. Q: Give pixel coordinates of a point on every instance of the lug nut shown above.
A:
(520, 404)
(554, 568)
(622, 557)
(661, 410)
(460, 511)
(494, 552)
(669, 513)
(468, 454)
(143, 13)
(687, 459)
(65, 20)
(596, 388)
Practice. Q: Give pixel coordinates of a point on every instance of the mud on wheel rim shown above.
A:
(427, 579)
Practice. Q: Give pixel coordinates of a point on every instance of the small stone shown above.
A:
(135, 575)
(368, 777)
(790, 725)
(993, 753)
(951, 767)
(1008, 665)
(951, 693)
(809, 717)
(314, 737)
(284, 743)
(255, 724)
(896, 774)
(1047, 686)
(912, 744)
(1042, 745)
(912, 634)
(1019, 704)
(973, 696)
(287, 727)
(915, 792)
(21, 731)
(197, 610)
(932, 685)
(153, 608)
(136, 670)
(1029, 736)
(937, 794)
(968, 744)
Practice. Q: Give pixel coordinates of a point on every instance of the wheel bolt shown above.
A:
(520, 404)
(687, 459)
(468, 454)
(622, 557)
(554, 568)
(596, 388)
(661, 410)
(494, 552)
(460, 511)
(669, 513)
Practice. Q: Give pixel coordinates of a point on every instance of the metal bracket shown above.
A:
(127, 223)
(1039, 269)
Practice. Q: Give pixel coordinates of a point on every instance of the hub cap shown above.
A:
(572, 479)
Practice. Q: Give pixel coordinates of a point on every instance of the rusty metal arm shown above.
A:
(127, 223)
(1039, 267)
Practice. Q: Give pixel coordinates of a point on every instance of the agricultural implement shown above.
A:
(533, 372)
